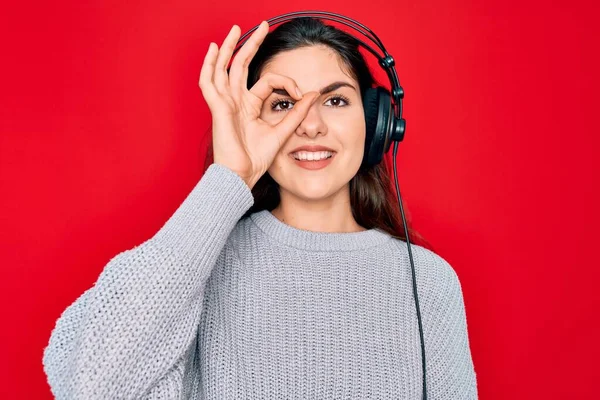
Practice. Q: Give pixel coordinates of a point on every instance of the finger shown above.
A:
(238, 74)
(220, 76)
(269, 81)
(295, 116)
(205, 82)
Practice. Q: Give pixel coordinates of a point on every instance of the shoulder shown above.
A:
(244, 230)
(242, 238)
(437, 280)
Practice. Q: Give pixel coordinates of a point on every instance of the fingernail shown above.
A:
(298, 92)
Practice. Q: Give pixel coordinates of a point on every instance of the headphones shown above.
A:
(384, 122)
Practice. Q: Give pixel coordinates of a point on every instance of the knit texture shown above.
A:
(216, 306)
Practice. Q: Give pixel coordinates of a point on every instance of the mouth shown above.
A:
(312, 155)
(313, 160)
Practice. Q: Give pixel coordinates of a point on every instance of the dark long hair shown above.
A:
(372, 194)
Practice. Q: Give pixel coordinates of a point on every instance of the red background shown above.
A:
(102, 125)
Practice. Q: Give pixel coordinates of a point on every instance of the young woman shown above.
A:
(283, 274)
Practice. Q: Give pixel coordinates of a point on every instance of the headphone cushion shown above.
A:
(371, 108)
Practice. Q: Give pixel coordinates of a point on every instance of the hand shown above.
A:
(241, 140)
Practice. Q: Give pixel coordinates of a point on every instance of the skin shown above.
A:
(317, 200)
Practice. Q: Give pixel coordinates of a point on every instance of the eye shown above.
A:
(335, 99)
(278, 102)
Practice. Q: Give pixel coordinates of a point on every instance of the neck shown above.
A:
(333, 214)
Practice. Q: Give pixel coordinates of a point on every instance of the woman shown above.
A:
(281, 275)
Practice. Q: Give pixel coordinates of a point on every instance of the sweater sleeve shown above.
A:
(132, 335)
(450, 369)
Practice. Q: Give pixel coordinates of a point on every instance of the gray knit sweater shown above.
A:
(215, 306)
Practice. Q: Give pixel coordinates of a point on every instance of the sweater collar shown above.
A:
(317, 241)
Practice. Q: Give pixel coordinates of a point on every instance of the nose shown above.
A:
(313, 124)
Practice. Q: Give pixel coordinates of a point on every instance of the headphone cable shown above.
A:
(412, 265)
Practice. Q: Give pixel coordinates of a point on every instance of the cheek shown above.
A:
(352, 137)
(279, 168)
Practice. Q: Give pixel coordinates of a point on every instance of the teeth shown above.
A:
(312, 156)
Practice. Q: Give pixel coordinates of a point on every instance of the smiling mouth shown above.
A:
(312, 155)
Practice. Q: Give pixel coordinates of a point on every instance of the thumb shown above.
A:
(293, 118)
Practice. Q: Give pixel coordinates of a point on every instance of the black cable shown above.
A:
(412, 265)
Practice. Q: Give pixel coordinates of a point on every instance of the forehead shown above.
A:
(311, 67)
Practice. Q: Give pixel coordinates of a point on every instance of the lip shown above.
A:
(312, 148)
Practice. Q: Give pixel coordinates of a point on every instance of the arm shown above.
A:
(450, 369)
(133, 334)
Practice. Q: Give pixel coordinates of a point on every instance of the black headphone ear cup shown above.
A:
(377, 107)
(370, 105)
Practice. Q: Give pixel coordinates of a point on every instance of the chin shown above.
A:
(312, 193)
(312, 189)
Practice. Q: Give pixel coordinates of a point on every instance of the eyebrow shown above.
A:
(329, 88)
